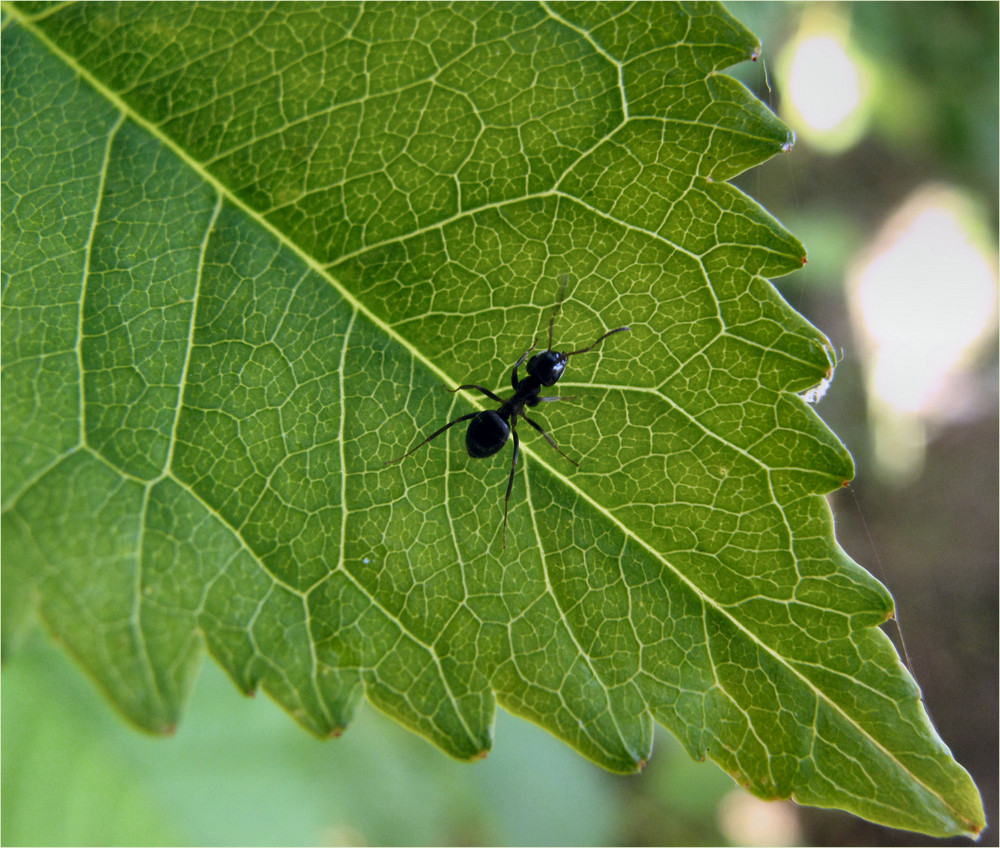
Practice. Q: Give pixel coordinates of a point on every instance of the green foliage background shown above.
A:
(205, 369)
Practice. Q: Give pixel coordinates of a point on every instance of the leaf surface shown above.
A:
(246, 245)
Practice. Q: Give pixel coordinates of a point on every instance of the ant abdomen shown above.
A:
(487, 433)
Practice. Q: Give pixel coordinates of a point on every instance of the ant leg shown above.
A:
(548, 438)
(484, 391)
(513, 374)
(510, 482)
(601, 339)
(433, 435)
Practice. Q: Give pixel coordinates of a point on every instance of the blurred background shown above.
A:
(892, 186)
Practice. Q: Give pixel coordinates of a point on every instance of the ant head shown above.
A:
(547, 366)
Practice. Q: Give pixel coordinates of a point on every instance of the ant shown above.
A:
(490, 429)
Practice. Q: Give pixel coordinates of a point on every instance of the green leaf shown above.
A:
(246, 244)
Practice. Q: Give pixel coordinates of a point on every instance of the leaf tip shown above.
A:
(976, 831)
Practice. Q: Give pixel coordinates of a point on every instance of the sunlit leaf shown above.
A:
(245, 247)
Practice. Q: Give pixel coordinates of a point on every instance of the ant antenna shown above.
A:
(601, 339)
(563, 282)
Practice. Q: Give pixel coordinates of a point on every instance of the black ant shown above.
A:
(490, 429)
